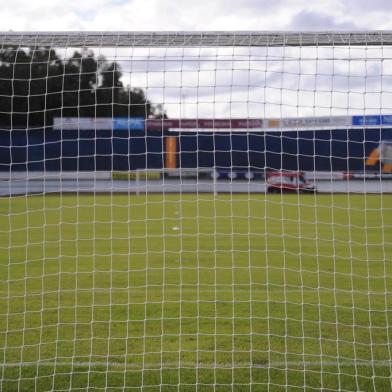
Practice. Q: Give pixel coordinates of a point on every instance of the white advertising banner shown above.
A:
(82, 123)
(309, 123)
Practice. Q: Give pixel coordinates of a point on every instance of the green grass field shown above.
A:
(196, 292)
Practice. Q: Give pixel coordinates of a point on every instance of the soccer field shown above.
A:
(196, 292)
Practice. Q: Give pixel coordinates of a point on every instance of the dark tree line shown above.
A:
(37, 85)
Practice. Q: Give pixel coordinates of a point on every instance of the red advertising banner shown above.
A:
(235, 123)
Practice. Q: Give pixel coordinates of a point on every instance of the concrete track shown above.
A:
(45, 186)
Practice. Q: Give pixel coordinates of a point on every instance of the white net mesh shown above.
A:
(195, 211)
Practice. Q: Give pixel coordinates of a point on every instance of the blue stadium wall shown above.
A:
(69, 150)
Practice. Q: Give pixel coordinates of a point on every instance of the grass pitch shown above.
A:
(196, 292)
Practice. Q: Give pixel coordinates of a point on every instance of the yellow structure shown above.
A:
(380, 154)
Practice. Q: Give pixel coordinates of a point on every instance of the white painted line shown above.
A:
(176, 365)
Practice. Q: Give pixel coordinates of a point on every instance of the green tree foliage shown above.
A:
(37, 85)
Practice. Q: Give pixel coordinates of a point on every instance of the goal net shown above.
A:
(195, 211)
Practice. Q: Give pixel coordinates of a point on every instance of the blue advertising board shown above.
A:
(366, 120)
(372, 120)
(128, 123)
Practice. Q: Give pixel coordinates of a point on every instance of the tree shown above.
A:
(36, 85)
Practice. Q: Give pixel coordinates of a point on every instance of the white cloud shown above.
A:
(368, 6)
(310, 20)
(194, 15)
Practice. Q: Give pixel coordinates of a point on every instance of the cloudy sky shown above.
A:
(220, 83)
(195, 15)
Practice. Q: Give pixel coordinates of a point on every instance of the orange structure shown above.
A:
(171, 152)
(381, 154)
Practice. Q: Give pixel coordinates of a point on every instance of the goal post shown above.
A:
(195, 211)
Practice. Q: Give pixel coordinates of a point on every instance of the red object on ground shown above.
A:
(288, 182)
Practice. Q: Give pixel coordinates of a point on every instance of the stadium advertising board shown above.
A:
(221, 125)
(309, 122)
(82, 123)
(372, 120)
(128, 123)
(99, 123)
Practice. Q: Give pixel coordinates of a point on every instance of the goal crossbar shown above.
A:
(195, 38)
